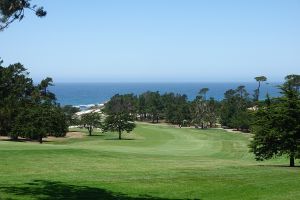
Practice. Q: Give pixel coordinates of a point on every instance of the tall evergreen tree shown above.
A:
(259, 79)
(277, 127)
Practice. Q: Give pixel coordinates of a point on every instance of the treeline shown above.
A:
(28, 110)
(202, 112)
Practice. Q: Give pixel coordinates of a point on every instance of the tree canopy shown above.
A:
(12, 10)
(28, 110)
(120, 114)
(91, 120)
(277, 127)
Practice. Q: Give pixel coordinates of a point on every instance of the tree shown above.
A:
(91, 120)
(69, 112)
(203, 92)
(122, 103)
(142, 107)
(212, 112)
(234, 110)
(39, 121)
(292, 82)
(176, 109)
(259, 79)
(12, 10)
(25, 108)
(200, 107)
(16, 89)
(277, 127)
(154, 105)
(119, 112)
(119, 122)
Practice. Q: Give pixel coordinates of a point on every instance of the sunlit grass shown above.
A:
(155, 162)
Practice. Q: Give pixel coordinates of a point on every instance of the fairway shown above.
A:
(152, 162)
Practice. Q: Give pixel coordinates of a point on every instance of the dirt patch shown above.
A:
(68, 135)
(75, 135)
(4, 138)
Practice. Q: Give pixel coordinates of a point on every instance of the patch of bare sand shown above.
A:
(68, 135)
(3, 138)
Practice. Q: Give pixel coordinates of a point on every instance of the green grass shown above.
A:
(154, 162)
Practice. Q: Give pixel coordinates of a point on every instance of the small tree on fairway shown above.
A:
(119, 115)
(119, 123)
(91, 120)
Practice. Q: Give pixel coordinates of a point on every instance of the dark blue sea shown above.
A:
(95, 93)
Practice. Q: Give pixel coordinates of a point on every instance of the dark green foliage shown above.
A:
(292, 82)
(119, 122)
(27, 110)
(277, 126)
(120, 112)
(91, 120)
(142, 107)
(69, 112)
(11, 10)
(154, 105)
(122, 103)
(38, 121)
(234, 109)
(204, 112)
(176, 109)
(15, 92)
(213, 107)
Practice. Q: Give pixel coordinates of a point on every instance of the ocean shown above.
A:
(94, 93)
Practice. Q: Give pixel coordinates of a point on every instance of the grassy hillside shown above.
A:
(153, 162)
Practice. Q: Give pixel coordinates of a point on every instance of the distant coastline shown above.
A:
(89, 94)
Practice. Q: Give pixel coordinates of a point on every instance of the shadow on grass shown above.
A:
(96, 135)
(283, 166)
(8, 139)
(119, 139)
(22, 140)
(51, 190)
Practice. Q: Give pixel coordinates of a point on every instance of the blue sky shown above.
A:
(157, 40)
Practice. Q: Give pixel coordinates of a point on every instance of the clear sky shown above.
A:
(157, 40)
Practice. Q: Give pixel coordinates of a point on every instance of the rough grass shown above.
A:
(153, 162)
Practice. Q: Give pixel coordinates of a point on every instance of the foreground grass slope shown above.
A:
(154, 162)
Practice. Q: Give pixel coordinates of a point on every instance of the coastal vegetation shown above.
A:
(28, 110)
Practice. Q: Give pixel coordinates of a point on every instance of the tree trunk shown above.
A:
(40, 139)
(292, 161)
(157, 119)
(120, 133)
(90, 130)
(14, 137)
(258, 90)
